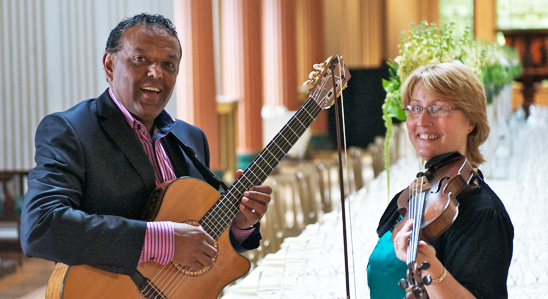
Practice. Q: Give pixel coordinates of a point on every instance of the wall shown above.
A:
(51, 59)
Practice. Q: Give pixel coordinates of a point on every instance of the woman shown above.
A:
(446, 112)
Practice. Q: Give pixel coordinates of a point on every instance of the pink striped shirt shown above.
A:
(159, 242)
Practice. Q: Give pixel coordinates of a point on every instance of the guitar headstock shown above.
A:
(320, 83)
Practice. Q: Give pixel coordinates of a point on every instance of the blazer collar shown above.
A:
(117, 128)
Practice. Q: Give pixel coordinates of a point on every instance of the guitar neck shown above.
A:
(221, 215)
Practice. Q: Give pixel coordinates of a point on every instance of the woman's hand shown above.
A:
(425, 251)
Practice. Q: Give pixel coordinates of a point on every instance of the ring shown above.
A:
(253, 211)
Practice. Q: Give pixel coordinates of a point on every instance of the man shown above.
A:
(98, 162)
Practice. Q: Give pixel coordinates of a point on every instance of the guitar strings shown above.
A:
(157, 282)
(166, 285)
(160, 283)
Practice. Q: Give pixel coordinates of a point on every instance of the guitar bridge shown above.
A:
(151, 291)
(146, 286)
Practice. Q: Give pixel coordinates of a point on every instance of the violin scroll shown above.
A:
(415, 282)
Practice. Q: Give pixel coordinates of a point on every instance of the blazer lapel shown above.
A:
(117, 127)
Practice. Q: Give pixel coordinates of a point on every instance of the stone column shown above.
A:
(485, 20)
(196, 81)
(279, 54)
(310, 50)
(242, 71)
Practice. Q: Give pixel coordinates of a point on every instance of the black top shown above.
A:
(477, 248)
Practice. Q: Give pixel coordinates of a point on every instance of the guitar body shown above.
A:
(179, 204)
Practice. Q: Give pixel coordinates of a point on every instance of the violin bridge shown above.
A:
(419, 185)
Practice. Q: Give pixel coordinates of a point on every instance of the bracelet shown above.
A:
(441, 278)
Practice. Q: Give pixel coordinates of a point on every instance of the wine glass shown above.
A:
(269, 285)
(318, 277)
(293, 284)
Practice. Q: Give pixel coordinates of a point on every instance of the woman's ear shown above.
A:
(471, 127)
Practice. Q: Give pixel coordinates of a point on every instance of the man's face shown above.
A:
(143, 73)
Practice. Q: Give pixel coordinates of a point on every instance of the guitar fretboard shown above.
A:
(221, 215)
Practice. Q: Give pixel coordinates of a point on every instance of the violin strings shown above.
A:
(420, 213)
(411, 216)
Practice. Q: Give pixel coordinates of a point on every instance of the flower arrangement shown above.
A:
(500, 67)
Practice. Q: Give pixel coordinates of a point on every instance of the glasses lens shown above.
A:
(414, 111)
(438, 111)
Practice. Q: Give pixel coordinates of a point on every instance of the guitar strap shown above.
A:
(208, 175)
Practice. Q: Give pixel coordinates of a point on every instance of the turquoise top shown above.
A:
(385, 270)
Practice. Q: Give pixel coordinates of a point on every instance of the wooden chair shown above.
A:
(356, 163)
(323, 168)
(309, 194)
(10, 243)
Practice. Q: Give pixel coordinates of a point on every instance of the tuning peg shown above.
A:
(403, 283)
(309, 83)
(427, 280)
(313, 74)
(417, 292)
(424, 266)
(319, 66)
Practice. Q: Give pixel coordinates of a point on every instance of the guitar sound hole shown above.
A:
(186, 270)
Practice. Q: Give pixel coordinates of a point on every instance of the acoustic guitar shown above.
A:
(215, 213)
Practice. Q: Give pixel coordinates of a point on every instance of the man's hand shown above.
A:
(253, 205)
(193, 246)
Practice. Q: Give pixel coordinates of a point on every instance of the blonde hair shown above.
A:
(458, 86)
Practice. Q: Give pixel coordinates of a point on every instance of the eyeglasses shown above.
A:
(434, 111)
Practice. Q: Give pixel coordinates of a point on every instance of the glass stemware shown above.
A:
(269, 285)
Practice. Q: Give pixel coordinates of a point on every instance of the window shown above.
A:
(460, 12)
(523, 14)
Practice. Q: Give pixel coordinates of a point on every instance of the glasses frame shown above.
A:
(407, 110)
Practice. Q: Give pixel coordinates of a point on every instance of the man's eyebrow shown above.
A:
(174, 56)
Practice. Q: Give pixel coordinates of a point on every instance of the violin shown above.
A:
(430, 201)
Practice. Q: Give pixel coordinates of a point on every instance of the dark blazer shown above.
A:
(88, 190)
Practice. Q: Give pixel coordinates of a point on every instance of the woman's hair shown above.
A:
(458, 86)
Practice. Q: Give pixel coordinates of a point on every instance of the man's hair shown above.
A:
(155, 21)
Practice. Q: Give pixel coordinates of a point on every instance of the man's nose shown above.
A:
(155, 71)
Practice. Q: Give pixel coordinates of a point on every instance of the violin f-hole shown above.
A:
(440, 183)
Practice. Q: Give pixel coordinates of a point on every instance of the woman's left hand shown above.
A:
(425, 251)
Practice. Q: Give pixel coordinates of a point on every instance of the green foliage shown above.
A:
(501, 66)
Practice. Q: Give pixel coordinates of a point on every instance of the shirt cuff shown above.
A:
(241, 234)
(159, 243)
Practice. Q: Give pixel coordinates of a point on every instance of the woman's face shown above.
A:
(432, 136)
